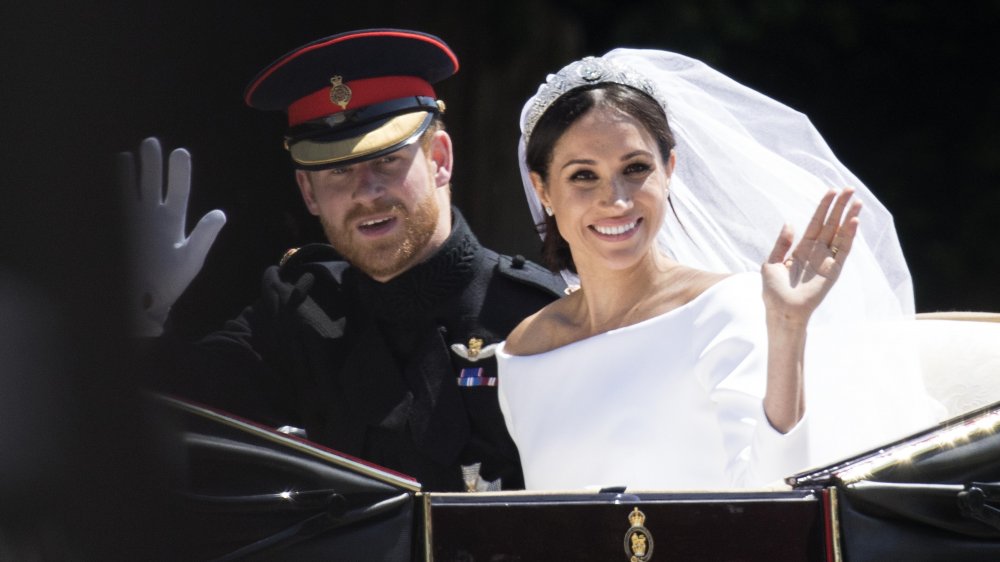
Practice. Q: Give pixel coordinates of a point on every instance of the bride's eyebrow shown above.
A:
(635, 153)
(584, 161)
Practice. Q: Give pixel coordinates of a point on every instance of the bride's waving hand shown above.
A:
(793, 286)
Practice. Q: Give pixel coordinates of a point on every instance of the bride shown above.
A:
(682, 361)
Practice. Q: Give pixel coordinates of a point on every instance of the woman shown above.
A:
(665, 369)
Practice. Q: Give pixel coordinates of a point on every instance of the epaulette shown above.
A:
(530, 273)
(313, 255)
(309, 253)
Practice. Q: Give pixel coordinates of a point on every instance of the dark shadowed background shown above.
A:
(906, 93)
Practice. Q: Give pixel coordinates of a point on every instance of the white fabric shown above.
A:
(672, 402)
(747, 164)
(864, 387)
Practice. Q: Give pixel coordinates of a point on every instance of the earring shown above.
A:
(548, 211)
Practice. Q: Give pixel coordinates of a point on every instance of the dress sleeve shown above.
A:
(732, 368)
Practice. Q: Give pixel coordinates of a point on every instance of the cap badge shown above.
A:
(638, 541)
(340, 93)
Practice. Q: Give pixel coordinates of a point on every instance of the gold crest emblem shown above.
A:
(638, 541)
(475, 346)
(340, 93)
(476, 350)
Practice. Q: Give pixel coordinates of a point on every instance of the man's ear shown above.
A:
(305, 187)
(440, 157)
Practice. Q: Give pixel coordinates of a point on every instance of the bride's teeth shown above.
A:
(614, 230)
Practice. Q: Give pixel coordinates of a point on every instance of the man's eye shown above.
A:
(339, 171)
(388, 159)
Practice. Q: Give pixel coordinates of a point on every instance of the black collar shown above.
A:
(421, 288)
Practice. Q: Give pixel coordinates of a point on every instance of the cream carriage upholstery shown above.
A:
(960, 358)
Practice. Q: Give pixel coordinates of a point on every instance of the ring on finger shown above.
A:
(834, 250)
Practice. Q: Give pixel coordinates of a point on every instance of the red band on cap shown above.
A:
(364, 92)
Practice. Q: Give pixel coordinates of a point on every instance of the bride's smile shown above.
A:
(607, 187)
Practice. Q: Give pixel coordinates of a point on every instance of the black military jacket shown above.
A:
(401, 373)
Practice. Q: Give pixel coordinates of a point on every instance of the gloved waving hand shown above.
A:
(164, 260)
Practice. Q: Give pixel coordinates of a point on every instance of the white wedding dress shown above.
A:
(671, 402)
(675, 402)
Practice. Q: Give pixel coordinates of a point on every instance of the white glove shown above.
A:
(163, 259)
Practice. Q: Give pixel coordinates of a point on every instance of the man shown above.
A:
(379, 344)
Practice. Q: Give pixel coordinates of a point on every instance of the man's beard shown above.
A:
(388, 256)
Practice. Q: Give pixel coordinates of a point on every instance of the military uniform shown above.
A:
(401, 373)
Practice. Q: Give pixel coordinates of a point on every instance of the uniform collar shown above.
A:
(422, 287)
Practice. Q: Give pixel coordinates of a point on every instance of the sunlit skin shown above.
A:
(387, 214)
(607, 186)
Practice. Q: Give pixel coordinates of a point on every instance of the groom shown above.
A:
(379, 344)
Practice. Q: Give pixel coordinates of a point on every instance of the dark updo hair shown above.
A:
(559, 117)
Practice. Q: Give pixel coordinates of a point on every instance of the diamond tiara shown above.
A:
(584, 72)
